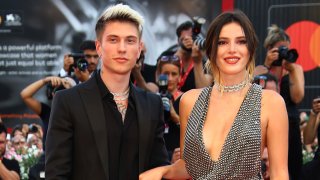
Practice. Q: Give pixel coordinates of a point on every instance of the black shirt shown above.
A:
(123, 141)
(292, 109)
(190, 82)
(172, 132)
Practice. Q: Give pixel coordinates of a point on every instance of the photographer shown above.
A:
(192, 64)
(312, 130)
(81, 65)
(280, 61)
(38, 107)
(81, 71)
(136, 74)
(168, 73)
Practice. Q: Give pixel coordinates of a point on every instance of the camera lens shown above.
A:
(82, 64)
(288, 55)
(33, 128)
(292, 55)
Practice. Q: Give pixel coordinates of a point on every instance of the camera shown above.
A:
(79, 62)
(164, 94)
(260, 80)
(196, 30)
(290, 55)
(163, 86)
(33, 128)
(52, 90)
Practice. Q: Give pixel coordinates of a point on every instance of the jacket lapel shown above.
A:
(94, 108)
(144, 122)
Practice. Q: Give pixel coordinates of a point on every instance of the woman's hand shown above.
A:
(272, 55)
(54, 80)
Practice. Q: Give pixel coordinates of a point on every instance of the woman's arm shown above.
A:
(28, 92)
(296, 78)
(276, 134)
(310, 130)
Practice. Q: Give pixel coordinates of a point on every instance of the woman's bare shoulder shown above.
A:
(271, 97)
(189, 98)
(272, 102)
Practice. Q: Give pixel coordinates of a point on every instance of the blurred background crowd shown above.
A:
(170, 66)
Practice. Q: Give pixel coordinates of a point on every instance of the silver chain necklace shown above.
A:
(120, 96)
(232, 88)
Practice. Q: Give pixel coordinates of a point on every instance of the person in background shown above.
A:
(192, 65)
(225, 127)
(136, 76)
(17, 130)
(89, 51)
(106, 128)
(38, 107)
(18, 143)
(169, 66)
(88, 48)
(291, 83)
(311, 131)
(267, 81)
(9, 169)
(67, 63)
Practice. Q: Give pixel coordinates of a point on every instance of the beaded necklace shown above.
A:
(232, 88)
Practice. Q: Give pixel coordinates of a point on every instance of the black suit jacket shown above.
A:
(77, 147)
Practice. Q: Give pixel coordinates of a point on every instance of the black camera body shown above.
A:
(52, 90)
(79, 62)
(165, 95)
(196, 30)
(290, 55)
(33, 128)
(163, 86)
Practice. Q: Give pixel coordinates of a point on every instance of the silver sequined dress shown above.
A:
(240, 154)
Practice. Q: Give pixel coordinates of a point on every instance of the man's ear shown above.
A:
(98, 47)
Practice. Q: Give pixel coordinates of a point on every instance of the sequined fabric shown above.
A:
(240, 154)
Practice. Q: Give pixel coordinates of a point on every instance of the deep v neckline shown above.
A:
(230, 130)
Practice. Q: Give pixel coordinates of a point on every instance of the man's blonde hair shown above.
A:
(122, 13)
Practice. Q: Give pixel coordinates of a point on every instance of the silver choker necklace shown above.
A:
(233, 88)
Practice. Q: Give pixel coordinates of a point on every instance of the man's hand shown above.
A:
(175, 155)
(196, 54)
(82, 75)
(67, 61)
(187, 42)
(137, 68)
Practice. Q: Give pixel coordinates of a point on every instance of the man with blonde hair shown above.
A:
(106, 128)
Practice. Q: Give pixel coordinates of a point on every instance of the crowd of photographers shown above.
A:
(179, 69)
